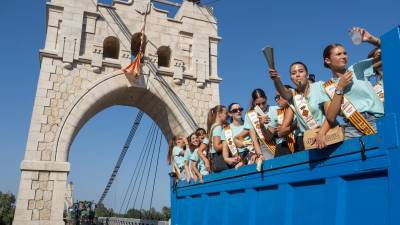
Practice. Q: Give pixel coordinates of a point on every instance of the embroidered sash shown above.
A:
(301, 106)
(290, 137)
(229, 140)
(350, 112)
(252, 115)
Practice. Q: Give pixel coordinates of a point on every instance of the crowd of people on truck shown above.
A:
(234, 138)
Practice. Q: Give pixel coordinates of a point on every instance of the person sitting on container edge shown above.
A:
(216, 119)
(351, 93)
(203, 148)
(176, 154)
(236, 156)
(193, 144)
(309, 101)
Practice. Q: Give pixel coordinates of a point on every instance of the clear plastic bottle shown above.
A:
(355, 37)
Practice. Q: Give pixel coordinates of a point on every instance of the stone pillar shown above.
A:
(41, 193)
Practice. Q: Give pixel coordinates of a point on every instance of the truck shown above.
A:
(355, 182)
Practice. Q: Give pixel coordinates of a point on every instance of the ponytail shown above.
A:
(171, 144)
(212, 116)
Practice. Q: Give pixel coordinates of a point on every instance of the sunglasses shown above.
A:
(237, 110)
(277, 97)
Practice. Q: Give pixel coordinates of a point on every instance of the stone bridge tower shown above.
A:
(86, 46)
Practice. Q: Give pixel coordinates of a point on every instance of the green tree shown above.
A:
(7, 208)
(166, 213)
(102, 211)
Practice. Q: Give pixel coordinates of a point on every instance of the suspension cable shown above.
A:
(141, 177)
(125, 148)
(155, 173)
(148, 172)
(134, 171)
(146, 152)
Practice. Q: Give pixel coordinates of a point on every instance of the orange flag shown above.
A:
(133, 69)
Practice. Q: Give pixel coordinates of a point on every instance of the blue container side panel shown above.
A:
(215, 206)
(311, 202)
(367, 199)
(270, 207)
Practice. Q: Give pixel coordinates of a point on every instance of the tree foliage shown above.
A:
(7, 208)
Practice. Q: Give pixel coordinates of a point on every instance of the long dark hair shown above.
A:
(171, 144)
(257, 93)
(327, 52)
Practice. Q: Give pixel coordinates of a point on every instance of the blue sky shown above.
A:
(299, 30)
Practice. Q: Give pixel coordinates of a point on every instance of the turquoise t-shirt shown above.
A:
(187, 155)
(200, 163)
(216, 132)
(361, 92)
(315, 99)
(271, 113)
(178, 158)
(236, 130)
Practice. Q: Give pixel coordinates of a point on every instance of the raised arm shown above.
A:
(283, 91)
(369, 38)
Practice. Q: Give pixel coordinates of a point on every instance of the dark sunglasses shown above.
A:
(277, 97)
(237, 110)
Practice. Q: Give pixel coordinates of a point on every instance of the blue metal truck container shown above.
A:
(356, 182)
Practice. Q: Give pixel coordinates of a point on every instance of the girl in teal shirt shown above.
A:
(352, 83)
(317, 101)
(215, 120)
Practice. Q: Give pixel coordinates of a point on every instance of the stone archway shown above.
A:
(43, 183)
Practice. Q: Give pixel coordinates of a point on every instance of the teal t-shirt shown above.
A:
(315, 99)
(236, 130)
(271, 113)
(361, 93)
(187, 155)
(178, 157)
(200, 163)
(216, 132)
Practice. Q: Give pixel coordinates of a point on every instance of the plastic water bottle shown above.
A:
(355, 37)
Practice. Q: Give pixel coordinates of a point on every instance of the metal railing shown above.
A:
(127, 221)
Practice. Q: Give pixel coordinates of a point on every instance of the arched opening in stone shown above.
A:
(111, 47)
(92, 161)
(164, 56)
(135, 43)
(106, 95)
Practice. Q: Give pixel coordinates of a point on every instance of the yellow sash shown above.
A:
(350, 112)
(290, 137)
(252, 115)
